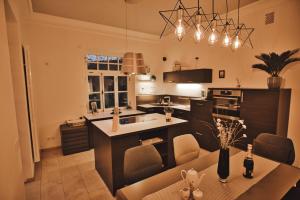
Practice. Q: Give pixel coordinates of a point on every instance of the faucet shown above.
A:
(167, 99)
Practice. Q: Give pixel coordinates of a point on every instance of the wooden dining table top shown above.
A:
(273, 186)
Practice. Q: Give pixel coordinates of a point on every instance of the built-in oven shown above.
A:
(226, 102)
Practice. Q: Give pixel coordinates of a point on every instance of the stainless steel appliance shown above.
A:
(226, 102)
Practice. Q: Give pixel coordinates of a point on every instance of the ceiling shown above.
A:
(142, 16)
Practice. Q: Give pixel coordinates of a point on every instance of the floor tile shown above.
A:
(51, 153)
(38, 171)
(71, 177)
(69, 172)
(33, 190)
(74, 188)
(52, 191)
(50, 164)
(87, 166)
(101, 194)
(51, 177)
(92, 181)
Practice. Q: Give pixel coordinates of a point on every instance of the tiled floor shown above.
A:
(71, 177)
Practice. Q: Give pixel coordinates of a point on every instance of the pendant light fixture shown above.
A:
(214, 35)
(180, 29)
(180, 19)
(226, 42)
(133, 63)
(199, 32)
(237, 42)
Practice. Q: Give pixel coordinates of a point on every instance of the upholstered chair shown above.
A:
(186, 148)
(274, 147)
(141, 162)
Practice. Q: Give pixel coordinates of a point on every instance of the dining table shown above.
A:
(271, 180)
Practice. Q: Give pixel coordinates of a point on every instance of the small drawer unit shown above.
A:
(74, 139)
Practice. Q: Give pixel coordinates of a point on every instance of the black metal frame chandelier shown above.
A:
(181, 19)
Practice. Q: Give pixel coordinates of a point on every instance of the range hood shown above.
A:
(133, 63)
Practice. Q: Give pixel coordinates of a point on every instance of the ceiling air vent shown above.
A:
(270, 17)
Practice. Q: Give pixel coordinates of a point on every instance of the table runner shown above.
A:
(215, 190)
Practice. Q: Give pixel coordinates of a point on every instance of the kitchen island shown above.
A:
(133, 131)
(90, 117)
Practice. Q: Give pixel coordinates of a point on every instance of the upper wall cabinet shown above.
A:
(189, 76)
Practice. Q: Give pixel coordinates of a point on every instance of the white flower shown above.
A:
(219, 120)
(244, 135)
(241, 121)
(218, 124)
(244, 127)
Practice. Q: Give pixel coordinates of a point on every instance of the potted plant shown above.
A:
(273, 64)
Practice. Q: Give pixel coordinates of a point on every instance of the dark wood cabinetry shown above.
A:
(189, 76)
(202, 124)
(181, 114)
(74, 139)
(150, 110)
(178, 113)
(265, 111)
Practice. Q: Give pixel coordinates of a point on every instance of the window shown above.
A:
(107, 86)
(94, 90)
(103, 62)
(123, 94)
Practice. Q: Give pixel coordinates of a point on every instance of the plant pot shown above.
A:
(223, 165)
(274, 82)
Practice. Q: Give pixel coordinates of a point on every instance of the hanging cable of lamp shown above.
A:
(199, 32)
(133, 63)
(237, 42)
(214, 35)
(226, 42)
(179, 29)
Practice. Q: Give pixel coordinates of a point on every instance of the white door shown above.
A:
(30, 101)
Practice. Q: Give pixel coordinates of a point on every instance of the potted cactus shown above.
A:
(273, 64)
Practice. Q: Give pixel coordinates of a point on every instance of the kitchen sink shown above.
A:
(163, 104)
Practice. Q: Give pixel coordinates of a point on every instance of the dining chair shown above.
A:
(141, 162)
(186, 148)
(274, 147)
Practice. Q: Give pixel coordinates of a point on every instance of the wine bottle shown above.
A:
(248, 163)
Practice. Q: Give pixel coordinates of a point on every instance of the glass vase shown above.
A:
(223, 165)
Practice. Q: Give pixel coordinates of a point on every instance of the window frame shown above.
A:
(101, 74)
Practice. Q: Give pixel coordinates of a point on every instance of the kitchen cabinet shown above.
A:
(181, 114)
(189, 76)
(178, 113)
(202, 124)
(265, 111)
(150, 110)
(74, 139)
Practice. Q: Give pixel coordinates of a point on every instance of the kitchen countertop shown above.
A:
(150, 121)
(107, 114)
(176, 106)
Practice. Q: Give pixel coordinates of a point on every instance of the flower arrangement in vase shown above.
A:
(229, 133)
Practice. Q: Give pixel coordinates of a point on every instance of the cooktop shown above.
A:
(134, 119)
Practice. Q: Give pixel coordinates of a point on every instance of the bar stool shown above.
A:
(141, 162)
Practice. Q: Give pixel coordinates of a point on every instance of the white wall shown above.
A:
(11, 181)
(281, 36)
(58, 47)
